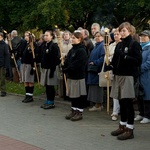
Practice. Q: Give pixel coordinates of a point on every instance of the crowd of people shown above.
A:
(76, 59)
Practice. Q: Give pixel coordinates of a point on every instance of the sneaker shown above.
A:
(138, 118)
(45, 103)
(145, 120)
(114, 117)
(49, 106)
(96, 108)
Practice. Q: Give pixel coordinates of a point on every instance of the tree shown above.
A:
(45, 14)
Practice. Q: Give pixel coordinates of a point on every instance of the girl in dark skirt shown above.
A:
(27, 68)
(74, 67)
(126, 59)
(50, 59)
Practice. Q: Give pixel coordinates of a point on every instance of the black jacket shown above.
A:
(127, 57)
(50, 56)
(75, 62)
(4, 54)
(27, 56)
(18, 44)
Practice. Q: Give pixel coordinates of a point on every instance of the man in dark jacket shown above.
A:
(3, 63)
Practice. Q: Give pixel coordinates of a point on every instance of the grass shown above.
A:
(18, 88)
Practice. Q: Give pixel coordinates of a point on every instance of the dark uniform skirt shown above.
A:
(25, 73)
(95, 94)
(46, 80)
(76, 88)
(122, 87)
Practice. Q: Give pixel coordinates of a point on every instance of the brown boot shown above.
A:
(77, 116)
(128, 134)
(72, 114)
(119, 131)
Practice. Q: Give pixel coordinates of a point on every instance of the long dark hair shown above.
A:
(51, 33)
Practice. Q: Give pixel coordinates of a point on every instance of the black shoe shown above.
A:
(3, 94)
(26, 97)
(29, 99)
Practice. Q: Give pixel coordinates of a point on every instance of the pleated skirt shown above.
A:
(76, 88)
(95, 94)
(46, 80)
(122, 87)
(25, 73)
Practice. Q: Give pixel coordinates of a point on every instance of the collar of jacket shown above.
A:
(127, 39)
(48, 43)
(77, 45)
(2, 41)
(98, 43)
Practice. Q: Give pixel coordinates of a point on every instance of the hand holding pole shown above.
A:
(106, 46)
(13, 56)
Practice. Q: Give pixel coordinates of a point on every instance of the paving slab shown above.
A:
(48, 129)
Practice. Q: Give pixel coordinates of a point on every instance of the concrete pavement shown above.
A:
(48, 129)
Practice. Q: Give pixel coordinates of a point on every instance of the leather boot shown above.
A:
(77, 116)
(119, 131)
(72, 114)
(128, 134)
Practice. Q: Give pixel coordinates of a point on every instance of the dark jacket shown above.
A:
(27, 56)
(127, 58)
(50, 56)
(75, 62)
(4, 54)
(18, 44)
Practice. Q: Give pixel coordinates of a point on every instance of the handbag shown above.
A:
(102, 77)
(93, 68)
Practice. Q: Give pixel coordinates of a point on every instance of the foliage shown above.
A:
(45, 14)
(18, 88)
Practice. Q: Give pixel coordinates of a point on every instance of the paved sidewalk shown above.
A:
(48, 129)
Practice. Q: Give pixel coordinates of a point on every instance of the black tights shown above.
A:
(77, 102)
(127, 110)
(50, 92)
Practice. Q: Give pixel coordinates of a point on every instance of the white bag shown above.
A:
(103, 77)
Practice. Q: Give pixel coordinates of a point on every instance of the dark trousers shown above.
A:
(144, 107)
(50, 92)
(77, 102)
(127, 110)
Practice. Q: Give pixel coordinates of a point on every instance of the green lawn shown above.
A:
(18, 88)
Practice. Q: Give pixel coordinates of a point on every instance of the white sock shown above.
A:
(123, 123)
(130, 126)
